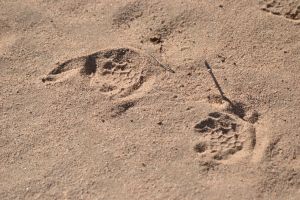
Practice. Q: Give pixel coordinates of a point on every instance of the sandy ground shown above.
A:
(91, 107)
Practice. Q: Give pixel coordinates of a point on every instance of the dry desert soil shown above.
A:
(112, 99)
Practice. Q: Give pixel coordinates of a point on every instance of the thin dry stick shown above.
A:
(216, 82)
(214, 78)
(162, 65)
(235, 108)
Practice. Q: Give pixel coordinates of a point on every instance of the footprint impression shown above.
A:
(222, 135)
(116, 72)
(290, 9)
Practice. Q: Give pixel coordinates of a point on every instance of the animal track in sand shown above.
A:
(223, 135)
(116, 72)
(289, 8)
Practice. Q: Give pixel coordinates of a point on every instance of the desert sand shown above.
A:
(111, 99)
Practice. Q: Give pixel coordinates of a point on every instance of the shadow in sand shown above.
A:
(235, 107)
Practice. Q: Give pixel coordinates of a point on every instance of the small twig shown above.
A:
(162, 65)
(235, 107)
(209, 69)
(214, 78)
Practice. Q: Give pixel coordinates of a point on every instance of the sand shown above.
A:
(111, 99)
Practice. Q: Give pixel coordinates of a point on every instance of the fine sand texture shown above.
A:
(137, 99)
